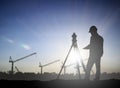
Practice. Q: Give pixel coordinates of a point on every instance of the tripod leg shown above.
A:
(64, 62)
(83, 65)
(77, 62)
(78, 68)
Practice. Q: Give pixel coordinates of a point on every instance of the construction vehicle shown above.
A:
(41, 66)
(13, 61)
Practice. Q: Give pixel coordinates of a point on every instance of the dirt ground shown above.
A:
(113, 83)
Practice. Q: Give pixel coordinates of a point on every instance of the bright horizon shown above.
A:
(46, 27)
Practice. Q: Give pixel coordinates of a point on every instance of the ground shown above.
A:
(113, 83)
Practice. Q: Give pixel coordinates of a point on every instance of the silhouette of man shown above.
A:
(96, 51)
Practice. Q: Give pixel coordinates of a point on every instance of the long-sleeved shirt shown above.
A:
(95, 46)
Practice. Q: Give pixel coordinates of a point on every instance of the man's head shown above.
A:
(93, 30)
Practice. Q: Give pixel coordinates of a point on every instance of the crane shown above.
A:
(13, 61)
(66, 67)
(41, 66)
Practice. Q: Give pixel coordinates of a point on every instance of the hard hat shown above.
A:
(93, 29)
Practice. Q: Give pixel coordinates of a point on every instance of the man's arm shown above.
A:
(87, 47)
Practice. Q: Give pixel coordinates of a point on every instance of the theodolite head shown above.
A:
(74, 38)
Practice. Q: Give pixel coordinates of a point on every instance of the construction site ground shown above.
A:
(112, 83)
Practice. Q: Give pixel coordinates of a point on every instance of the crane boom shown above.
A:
(12, 62)
(24, 57)
(66, 67)
(50, 63)
(41, 66)
(69, 65)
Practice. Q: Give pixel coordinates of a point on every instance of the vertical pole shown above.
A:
(83, 65)
(78, 70)
(41, 69)
(12, 68)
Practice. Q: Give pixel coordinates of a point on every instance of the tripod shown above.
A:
(76, 50)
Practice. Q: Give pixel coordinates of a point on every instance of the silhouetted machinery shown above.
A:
(76, 51)
(41, 66)
(65, 67)
(13, 61)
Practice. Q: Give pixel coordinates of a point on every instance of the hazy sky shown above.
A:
(46, 26)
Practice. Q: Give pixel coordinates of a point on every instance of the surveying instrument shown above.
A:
(76, 51)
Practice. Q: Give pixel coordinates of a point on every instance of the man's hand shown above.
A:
(87, 47)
